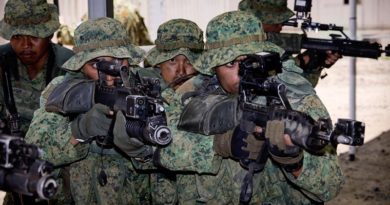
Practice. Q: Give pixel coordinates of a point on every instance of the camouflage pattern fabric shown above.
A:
(321, 176)
(268, 11)
(320, 180)
(292, 44)
(34, 18)
(133, 22)
(51, 132)
(277, 12)
(176, 37)
(124, 185)
(195, 148)
(102, 37)
(64, 36)
(27, 91)
(313, 75)
(230, 35)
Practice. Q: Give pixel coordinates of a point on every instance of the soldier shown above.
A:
(30, 60)
(288, 177)
(133, 22)
(179, 43)
(98, 173)
(273, 13)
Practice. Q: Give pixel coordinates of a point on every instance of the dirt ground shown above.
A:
(367, 178)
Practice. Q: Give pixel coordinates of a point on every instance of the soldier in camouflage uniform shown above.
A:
(179, 43)
(98, 173)
(209, 172)
(30, 60)
(273, 13)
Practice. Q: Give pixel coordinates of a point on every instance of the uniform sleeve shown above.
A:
(321, 177)
(187, 151)
(51, 132)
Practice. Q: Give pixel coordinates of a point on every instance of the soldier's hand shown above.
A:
(281, 149)
(95, 122)
(331, 58)
(130, 145)
(238, 144)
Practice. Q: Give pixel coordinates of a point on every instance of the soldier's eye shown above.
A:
(231, 64)
(16, 37)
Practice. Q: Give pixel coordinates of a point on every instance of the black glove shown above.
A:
(130, 145)
(95, 122)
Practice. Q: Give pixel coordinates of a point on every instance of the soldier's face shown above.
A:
(228, 75)
(276, 28)
(176, 68)
(30, 50)
(90, 71)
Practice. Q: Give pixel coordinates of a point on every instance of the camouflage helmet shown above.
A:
(29, 17)
(230, 35)
(102, 37)
(176, 37)
(268, 11)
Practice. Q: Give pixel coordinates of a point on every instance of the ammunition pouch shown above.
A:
(72, 97)
(210, 114)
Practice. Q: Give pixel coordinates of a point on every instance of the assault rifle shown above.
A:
(254, 73)
(139, 100)
(22, 172)
(342, 44)
(255, 82)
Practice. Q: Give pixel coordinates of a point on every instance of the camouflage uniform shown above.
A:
(29, 18)
(177, 37)
(277, 12)
(39, 19)
(207, 178)
(52, 132)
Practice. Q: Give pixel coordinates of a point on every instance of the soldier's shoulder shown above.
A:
(50, 87)
(293, 79)
(62, 54)
(5, 48)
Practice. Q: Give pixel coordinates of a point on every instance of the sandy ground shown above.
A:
(367, 178)
(372, 94)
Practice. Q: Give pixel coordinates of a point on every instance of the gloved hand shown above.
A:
(222, 144)
(95, 122)
(238, 144)
(280, 152)
(131, 146)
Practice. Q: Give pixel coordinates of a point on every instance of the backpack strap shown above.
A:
(13, 119)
